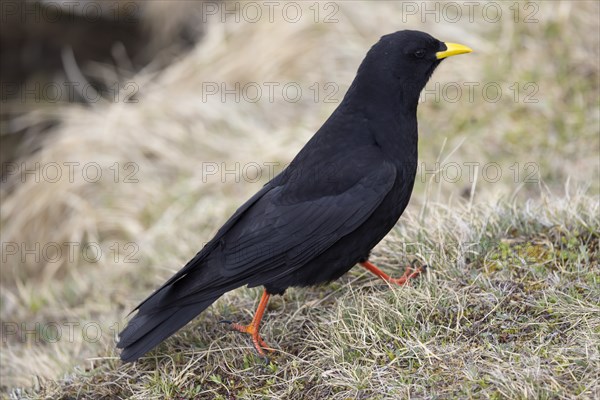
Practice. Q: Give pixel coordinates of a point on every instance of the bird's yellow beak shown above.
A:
(452, 49)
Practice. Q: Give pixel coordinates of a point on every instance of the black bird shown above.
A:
(323, 214)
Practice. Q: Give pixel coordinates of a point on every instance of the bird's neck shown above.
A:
(380, 95)
(388, 113)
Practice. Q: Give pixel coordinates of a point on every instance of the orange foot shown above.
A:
(252, 329)
(409, 273)
(259, 344)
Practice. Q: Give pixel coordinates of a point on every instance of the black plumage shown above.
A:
(338, 198)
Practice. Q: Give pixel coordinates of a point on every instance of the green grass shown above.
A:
(518, 317)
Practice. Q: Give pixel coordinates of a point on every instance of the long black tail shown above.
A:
(185, 295)
(148, 328)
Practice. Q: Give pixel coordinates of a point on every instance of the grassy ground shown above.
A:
(509, 307)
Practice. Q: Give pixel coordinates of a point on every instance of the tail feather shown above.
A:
(186, 294)
(145, 331)
(170, 308)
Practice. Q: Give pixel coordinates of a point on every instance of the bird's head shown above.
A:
(404, 61)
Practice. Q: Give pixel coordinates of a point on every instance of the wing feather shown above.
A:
(277, 237)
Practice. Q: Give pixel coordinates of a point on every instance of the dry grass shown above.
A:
(509, 308)
(515, 315)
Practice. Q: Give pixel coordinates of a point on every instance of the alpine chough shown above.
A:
(323, 214)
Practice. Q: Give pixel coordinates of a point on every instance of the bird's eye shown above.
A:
(420, 53)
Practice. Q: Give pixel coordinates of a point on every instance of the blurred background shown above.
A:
(131, 130)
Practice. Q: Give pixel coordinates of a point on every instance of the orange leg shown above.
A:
(252, 329)
(409, 273)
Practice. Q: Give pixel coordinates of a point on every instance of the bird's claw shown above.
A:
(410, 273)
(259, 344)
(414, 265)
